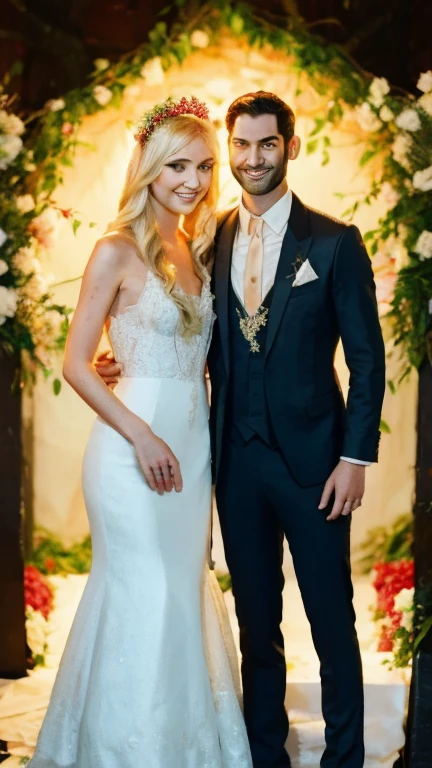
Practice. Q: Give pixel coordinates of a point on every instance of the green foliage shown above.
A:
(386, 545)
(50, 555)
(409, 311)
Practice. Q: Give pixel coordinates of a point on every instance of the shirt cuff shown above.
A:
(356, 461)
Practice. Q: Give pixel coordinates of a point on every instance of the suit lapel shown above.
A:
(222, 267)
(296, 243)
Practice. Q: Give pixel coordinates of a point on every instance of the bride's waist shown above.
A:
(144, 386)
(159, 397)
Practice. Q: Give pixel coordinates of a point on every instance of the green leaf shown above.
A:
(391, 386)
(237, 24)
(366, 156)
(311, 146)
(17, 68)
(319, 125)
(93, 224)
(424, 631)
(165, 10)
(384, 427)
(57, 385)
(76, 225)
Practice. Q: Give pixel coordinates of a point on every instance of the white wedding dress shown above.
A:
(149, 676)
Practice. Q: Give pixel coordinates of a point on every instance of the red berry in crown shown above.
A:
(167, 109)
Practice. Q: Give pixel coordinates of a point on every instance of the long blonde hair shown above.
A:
(136, 217)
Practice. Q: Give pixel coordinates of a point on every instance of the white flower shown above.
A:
(153, 72)
(8, 303)
(379, 87)
(35, 288)
(15, 126)
(132, 90)
(11, 124)
(425, 82)
(199, 38)
(388, 195)
(366, 118)
(404, 600)
(423, 179)
(3, 267)
(44, 227)
(10, 147)
(25, 262)
(101, 64)
(25, 203)
(408, 120)
(55, 105)
(400, 148)
(36, 631)
(407, 620)
(3, 237)
(386, 114)
(425, 102)
(102, 95)
(423, 245)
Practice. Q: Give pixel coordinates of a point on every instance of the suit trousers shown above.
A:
(259, 503)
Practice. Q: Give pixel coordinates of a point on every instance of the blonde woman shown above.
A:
(145, 680)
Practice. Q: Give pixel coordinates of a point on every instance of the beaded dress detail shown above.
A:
(149, 676)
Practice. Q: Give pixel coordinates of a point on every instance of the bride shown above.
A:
(149, 678)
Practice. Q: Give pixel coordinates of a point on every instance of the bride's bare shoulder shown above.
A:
(114, 250)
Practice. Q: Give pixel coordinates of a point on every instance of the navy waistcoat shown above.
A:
(247, 398)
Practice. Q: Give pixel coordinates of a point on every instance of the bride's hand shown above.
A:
(158, 463)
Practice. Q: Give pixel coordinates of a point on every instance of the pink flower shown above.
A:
(67, 129)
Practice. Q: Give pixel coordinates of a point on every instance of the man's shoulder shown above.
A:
(222, 216)
(325, 223)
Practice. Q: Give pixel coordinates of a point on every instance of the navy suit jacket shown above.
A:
(312, 424)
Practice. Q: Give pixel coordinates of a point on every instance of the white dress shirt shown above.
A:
(274, 229)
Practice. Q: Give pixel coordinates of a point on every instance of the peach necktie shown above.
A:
(252, 280)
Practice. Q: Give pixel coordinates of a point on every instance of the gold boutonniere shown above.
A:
(296, 265)
(250, 325)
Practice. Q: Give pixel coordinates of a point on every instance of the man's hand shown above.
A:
(108, 369)
(347, 482)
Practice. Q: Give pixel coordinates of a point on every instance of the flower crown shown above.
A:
(166, 109)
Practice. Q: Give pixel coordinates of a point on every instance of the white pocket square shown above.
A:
(305, 274)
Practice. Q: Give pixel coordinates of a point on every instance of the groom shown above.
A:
(289, 457)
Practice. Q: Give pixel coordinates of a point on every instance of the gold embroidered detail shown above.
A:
(250, 325)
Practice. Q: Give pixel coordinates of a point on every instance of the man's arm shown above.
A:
(357, 312)
(356, 307)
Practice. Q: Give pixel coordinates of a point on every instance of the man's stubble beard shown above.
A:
(263, 186)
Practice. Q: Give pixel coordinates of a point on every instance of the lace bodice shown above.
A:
(145, 337)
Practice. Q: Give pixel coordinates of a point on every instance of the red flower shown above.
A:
(67, 213)
(385, 642)
(390, 579)
(37, 592)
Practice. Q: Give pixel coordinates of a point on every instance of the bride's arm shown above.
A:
(102, 279)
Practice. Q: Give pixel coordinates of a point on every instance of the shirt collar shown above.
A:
(276, 217)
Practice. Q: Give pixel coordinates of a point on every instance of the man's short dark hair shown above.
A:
(263, 103)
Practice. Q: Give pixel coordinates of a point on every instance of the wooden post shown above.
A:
(12, 612)
(418, 752)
